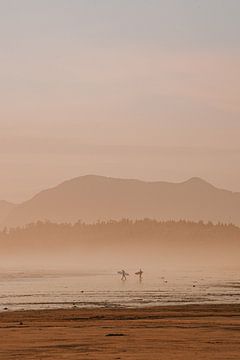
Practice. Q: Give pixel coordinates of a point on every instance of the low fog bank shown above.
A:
(120, 244)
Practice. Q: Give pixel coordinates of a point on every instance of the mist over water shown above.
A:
(90, 90)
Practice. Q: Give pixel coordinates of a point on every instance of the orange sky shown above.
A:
(128, 89)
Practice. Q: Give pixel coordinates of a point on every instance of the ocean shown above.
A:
(46, 289)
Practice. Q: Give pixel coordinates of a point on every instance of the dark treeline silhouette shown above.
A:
(125, 227)
(114, 230)
(143, 237)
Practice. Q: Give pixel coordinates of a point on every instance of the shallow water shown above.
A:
(52, 289)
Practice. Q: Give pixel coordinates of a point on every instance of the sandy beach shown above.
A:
(179, 332)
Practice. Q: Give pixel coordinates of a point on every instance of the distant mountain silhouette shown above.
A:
(92, 198)
(5, 209)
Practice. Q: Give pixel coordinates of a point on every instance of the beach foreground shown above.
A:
(179, 332)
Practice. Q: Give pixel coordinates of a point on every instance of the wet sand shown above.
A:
(184, 332)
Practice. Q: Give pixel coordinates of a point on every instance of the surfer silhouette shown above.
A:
(124, 274)
(140, 274)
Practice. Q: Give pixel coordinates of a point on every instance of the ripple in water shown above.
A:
(41, 290)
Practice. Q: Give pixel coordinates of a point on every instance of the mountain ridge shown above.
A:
(94, 197)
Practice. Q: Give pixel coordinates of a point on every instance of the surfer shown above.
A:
(140, 274)
(124, 274)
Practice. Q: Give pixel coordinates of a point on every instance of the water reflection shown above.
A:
(36, 290)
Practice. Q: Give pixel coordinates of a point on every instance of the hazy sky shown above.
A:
(131, 88)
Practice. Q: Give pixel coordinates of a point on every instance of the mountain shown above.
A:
(5, 209)
(92, 198)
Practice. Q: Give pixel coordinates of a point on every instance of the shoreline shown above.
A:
(6, 309)
(203, 331)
